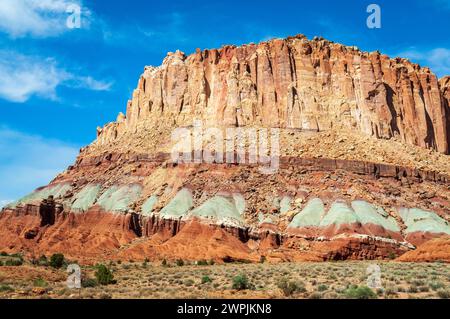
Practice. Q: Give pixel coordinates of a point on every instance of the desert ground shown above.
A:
(23, 279)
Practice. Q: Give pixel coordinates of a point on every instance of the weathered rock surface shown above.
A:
(293, 83)
(363, 172)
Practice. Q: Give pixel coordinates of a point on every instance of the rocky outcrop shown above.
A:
(434, 250)
(292, 83)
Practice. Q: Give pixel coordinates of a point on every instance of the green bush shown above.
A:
(206, 279)
(3, 253)
(40, 283)
(89, 283)
(57, 261)
(240, 282)
(362, 292)
(290, 287)
(104, 275)
(1, 263)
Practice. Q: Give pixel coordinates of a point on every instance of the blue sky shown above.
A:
(58, 84)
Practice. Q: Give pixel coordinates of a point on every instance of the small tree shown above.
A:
(104, 275)
(57, 260)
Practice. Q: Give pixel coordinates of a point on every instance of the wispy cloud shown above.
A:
(437, 59)
(28, 161)
(38, 18)
(22, 77)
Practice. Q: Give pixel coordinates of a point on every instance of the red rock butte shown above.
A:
(364, 167)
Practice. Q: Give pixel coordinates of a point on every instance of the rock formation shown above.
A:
(294, 83)
(363, 171)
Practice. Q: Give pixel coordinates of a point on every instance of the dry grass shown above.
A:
(150, 280)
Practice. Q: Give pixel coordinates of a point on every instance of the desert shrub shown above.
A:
(180, 262)
(212, 262)
(5, 288)
(290, 287)
(390, 291)
(362, 292)
(262, 259)
(202, 262)
(322, 287)
(188, 282)
(40, 283)
(443, 294)
(413, 289)
(42, 261)
(57, 261)
(315, 295)
(206, 279)
(436, 285)
(240, 282)
(88, 283)
(3, 254)
(104, 275)
(392, 255)
(14, 262)
(424, 288)
(164, 263)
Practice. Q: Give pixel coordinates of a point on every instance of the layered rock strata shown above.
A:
(124, 197)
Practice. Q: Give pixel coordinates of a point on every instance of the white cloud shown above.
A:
(4, 202)
(24, 76)
(38, 18)
(437, 59)
(28, 161)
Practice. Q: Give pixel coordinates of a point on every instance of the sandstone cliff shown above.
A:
(294, 83)
(362, 169)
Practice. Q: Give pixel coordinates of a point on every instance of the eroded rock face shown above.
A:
(293, 83)
(124, 198)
